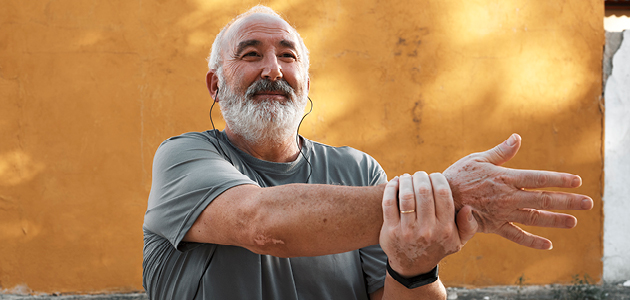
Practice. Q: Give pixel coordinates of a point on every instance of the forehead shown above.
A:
(261, 27)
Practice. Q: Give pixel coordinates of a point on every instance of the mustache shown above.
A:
(266, 85)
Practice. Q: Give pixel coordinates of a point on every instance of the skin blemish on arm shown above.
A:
(262, 240)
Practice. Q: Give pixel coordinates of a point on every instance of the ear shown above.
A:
(212, 82)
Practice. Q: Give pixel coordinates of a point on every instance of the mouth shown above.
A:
(271, 94)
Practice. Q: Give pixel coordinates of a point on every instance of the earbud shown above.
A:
(297, 140)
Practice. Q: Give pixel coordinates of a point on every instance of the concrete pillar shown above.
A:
(617, 166)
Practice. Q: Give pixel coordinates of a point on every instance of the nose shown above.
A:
(271, 68)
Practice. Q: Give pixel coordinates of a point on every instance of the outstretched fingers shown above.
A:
(548, 200)
(533, 179)
(524, 238)
(543, 218)
(504, 151)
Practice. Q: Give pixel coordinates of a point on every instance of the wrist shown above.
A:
(414, 281)
(411, 270)
(455, 191)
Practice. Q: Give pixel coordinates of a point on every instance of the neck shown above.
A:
(286, 150)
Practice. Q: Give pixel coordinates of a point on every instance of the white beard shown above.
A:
(262, 121)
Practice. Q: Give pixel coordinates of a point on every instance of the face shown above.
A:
(261, 46)
(263, 86)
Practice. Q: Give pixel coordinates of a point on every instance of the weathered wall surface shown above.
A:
(617, 167)
(88, 90)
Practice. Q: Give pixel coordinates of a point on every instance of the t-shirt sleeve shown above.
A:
(373, 263)
(373, 259)
(188, 173)
(379, 177)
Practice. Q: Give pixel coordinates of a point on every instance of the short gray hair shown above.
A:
(214, 60)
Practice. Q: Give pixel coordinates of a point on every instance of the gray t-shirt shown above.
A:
(192, 169)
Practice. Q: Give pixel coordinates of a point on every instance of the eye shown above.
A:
(288, 55)
(251, 54)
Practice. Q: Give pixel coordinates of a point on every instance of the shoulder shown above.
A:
(206, 137)
(343, 152)
(187, 147)
(189, 141)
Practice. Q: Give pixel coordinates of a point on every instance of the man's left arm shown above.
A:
(418, 231)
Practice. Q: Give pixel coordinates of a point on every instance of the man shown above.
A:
(257, 212)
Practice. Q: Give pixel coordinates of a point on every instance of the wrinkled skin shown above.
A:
(500, 196)
(416, 242)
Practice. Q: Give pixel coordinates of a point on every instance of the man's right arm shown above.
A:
(199, 195)
(292, 220)
(501, 196)
(307, 220)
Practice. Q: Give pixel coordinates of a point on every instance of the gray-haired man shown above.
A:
(258, 212)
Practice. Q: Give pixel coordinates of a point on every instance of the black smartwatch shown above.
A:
(416, 281)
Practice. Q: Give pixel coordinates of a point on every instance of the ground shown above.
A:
(576, 291)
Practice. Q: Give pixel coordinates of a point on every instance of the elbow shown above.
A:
(266, 244)
(262, 236)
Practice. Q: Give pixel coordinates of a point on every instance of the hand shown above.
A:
(416, 241)
(498, 197)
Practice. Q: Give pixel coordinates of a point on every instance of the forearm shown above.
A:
(293, 220)
(309, 220)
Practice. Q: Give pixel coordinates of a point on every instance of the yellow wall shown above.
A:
(88, 90)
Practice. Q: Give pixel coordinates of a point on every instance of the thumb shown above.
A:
(466, 224)
(504, 151)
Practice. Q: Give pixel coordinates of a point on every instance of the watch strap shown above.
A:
(416, 281)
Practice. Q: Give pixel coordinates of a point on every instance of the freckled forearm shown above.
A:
(309, 220)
